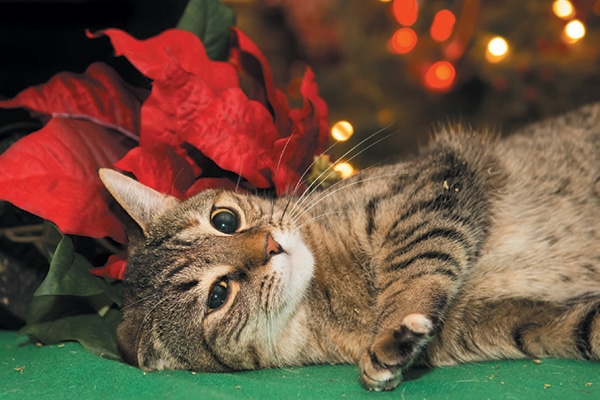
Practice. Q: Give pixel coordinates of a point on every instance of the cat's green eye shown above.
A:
(218, 294)
(224, 220)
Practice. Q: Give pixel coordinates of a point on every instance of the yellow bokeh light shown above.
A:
(574, 31)
(497, 49)
(344, 169)
(563, 9)
(342, 130)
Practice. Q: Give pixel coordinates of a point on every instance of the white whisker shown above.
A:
(331, 193)
(301, 202)
(287, 142)
(150, 311)
(139, 301)
(329, 170)
(318, 217)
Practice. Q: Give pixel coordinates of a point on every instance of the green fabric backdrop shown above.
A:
(67, 371)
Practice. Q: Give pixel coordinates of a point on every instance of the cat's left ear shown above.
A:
(141, 202)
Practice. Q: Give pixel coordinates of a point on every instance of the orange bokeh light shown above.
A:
(440, 76)
(405, 11)
(403, 41)
(442, 25)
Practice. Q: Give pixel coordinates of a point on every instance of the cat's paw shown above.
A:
(393, 350)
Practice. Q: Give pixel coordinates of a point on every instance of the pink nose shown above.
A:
(273, 248)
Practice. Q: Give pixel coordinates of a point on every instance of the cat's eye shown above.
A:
(218, 294)
(224, 220)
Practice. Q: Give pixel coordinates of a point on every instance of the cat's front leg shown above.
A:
(422, 241)
(411, 306)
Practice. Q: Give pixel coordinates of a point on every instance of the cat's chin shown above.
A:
(295, 265)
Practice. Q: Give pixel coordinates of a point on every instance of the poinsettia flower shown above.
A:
(198, 101)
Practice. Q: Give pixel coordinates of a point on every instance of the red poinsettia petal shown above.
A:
(98, 95)
(114, 267)
(303, 132)
(237, 134)
(173, 45)
(234, 132)
(256, 65)
(53, 173)
(308, 138)
(211, 183)
(171, 102)
(315, 110)
(252, 61)
(160, 168)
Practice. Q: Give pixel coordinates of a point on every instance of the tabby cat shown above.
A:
(478, 249)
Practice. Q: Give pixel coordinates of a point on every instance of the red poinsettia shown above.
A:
(195, 117)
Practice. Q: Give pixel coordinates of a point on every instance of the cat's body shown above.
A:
(478, 249)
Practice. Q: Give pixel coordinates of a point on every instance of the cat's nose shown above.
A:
(272, 248)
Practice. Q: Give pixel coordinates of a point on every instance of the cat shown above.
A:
(479, 248)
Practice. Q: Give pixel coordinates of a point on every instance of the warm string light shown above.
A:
(440, 76)
(403, 41)
(344, 169)
(442, 25)
(405, 11)
(573, 31)
(563, 9)
(342, 130)
(497, 49)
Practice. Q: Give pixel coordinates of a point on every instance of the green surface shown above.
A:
(67, 371)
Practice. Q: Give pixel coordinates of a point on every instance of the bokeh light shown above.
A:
(497, 49)
(342, 131)
(344, 169)
(440, 76)
(574, 31)
(563, 9)
(403, 41)
(406, 11)
(442, 25)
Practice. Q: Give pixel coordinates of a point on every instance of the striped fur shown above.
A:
(478, 249)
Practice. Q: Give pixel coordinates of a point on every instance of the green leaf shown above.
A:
(72, 304)
(69, 276)
(210, 21)
(97, 334)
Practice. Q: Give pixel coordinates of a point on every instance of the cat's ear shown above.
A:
(141, 202)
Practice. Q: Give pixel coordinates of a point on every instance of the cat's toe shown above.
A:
(376, 376)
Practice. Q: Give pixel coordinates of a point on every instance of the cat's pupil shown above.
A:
(218, 294)
(224, 220)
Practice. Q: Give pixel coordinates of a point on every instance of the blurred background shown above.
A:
(407, 65)
(404, 66)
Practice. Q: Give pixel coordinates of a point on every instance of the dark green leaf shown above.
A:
(73, 304)
(210, 21)
(97, 334)
(69, 276)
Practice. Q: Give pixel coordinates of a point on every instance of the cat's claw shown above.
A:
(392, 351)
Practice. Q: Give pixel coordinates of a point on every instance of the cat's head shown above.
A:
(211, 282)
